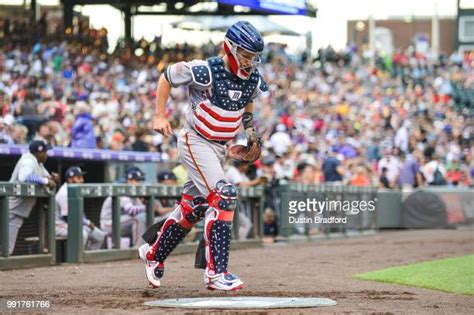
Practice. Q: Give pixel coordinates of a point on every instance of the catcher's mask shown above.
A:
(243, 45)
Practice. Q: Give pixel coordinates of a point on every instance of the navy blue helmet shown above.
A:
(243, 45)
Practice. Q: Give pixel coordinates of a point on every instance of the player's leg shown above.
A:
(96, 238)
(126, 227)
(245, 225)
(61, 230)
(217, 233)
(204, 161)
(174, 229)
(138, 228)
(85, 236)
(15, 223)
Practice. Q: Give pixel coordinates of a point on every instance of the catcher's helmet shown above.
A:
(243, 43)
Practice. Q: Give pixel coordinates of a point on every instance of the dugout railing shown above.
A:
(388, 212)
(77, 194)
(46, 235)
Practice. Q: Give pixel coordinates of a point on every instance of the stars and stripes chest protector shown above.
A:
(219, 117)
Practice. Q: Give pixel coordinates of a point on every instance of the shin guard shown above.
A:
(222, 203)
(176, 227)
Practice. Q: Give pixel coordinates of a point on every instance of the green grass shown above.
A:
(454, 275)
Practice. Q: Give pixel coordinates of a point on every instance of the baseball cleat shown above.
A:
(225, 281)
(150, 266)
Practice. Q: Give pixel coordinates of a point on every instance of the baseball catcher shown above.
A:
(221, 92)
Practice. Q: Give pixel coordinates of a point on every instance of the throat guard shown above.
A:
(229, 92)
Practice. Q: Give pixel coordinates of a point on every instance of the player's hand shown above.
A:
(51, 183)
(55, 177)
(162, 125)
(91, 226)
(253, 137)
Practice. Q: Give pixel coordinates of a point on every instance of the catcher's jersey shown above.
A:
(215, 120)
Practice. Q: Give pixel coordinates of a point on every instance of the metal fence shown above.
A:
(299, 209)
(46, 224)
(78, 193)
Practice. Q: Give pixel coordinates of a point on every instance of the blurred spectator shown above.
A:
(29, 169)
(456, 176)
(393, 166)
(83, 129)
(99, 142)
(43, 132)
(383, 180)
(19, 134)
(409, 172)
(284, 167)
(434, 172)
(308, 174)
(236, 174)
(140, 144)
(181, 174)
(280, 140)
(333, 169)
(117, 142)
(92, 236)
(270, 226)
(5, 132)
(361, 176)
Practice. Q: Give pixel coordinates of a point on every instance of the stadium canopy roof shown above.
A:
(207, 7)
(192, 7)
(222, 23)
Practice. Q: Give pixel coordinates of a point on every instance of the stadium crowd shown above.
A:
(404, 121)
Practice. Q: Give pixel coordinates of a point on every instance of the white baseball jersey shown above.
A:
(62, 206)
(27, 170)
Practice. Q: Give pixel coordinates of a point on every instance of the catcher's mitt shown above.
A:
(244, 153)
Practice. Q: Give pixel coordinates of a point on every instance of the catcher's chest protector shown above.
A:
(230, 92)
(220, 116)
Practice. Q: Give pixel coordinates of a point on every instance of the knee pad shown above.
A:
(198, 211)
(223, 199)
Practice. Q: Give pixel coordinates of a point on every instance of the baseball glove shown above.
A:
(244, 153)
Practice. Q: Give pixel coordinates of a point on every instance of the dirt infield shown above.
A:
(317, 269)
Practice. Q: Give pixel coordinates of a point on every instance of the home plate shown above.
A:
(242, 302)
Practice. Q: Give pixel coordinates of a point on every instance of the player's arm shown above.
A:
(247, 122)
(160, 123)
(26, 175)
(130, 207)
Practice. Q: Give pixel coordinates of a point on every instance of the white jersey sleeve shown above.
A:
(193, 73)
